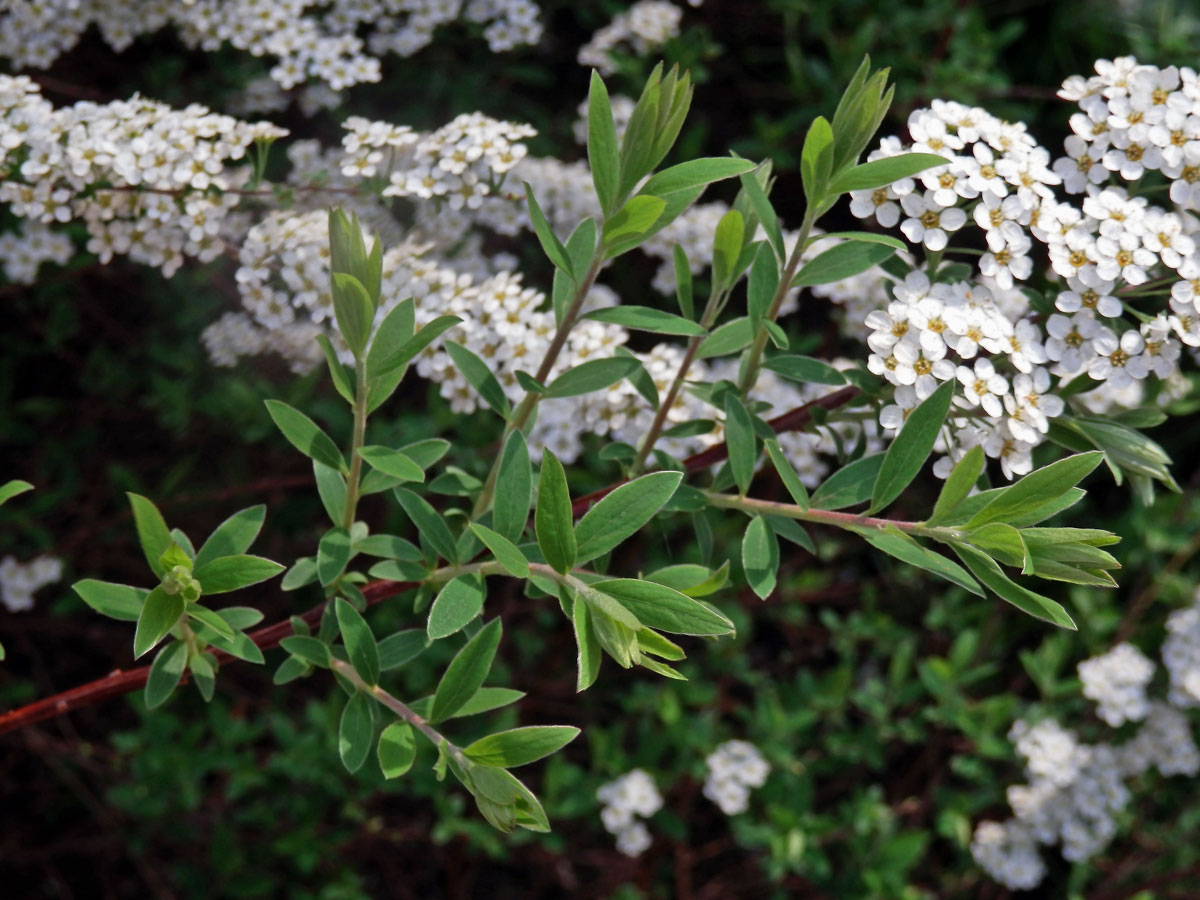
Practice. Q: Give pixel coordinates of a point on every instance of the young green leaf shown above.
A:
(760, 556)
(10, 489)
(902, 547)
(506, 552)
(152, 531)
(958, 485)
(396, 329)
(391, 369)
(159, 614)
(397, 750)
(165, 673)
(342, 380)
(603, 156)
(765, 212)
(117, 601)
(589, 654)
(480, 377)
(204, 674)
(199, 613)
(762, 283)
(305, 435)
(804, 369)
(664, 608)
(989, 574)
(553, 521)
(683, 282)
(460, 601)
(353, 309)
(816, 160)
(731, 337)
(593, 375)
(581, 246)
(882, 172)
(849, 485)
(1037, 488)
(841, 262)
(520, 746)
(233, 536)
(635, 218)
(310, 649)
(360, 643)
(740, 439)
(727, 248)
(229, 573)
(333, 554)
(912, 446)
(514, 489)
(644, 318)
(429, 523)
(695, 173)
(622, 513)
(551, 245)
(392, 462)
(787, 474)
(355, 732)
(483, 700)
(466, 672)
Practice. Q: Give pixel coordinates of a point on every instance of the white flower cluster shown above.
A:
(1181, 655)
(318, 40)
(1117, 682)
(644, 26)
(135, 172)
(19, 581)
(1075, 791)
(733, 768)
(633, 794)
(22, 252)
(461, 162)
(1135, 118)
(264, 95)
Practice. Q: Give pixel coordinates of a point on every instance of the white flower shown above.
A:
(1089, 291)
(1031, 406)
(1119, 362)
(982, 386)
(928, 223)
(1117, 681)
(1070, 340)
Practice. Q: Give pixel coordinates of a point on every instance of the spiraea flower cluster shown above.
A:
(1099, 252)
(734, 767)
(644, 26)
(1077, 791)
(632, 795)
(20, 581)
(137, 173)
(307, 40)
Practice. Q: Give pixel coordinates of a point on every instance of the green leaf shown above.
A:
(480, 377)
(622, 513)
(635, 218)
(727, 248)
(383, 382)
(396, 329)
(731, 337)
(353, 309)
(1037, 488)
(10, 489)
(1001, 542)
(341, 380)
(466, 672)
(506, 552)
(117, 601)
(841, 262)
(603, 156)
(849, 485)
(429, 523)
(165, 673)
(895, 543)
(204, 674)
(985, 569)
(427, 452)
(397, 750)
(695, 173)
(333, 553)
(302, 572)
(882, 172)
(520, 746)
(816, 160)
(787, 474)
(355, 732)
(958, 485)
(229, 573)
(643, 318)
(551, 245)
(762, 283)
(460, 601)
(804, 369)
(791, 530)
(403, 646)
(159, 615)
(760, 556)
(553, 521)
(199, 613)
(391, 462)
(331, 488)
(912, 446)
(664, 608)
(514, 489)
(868, 237)
(483, 700)
(240, 617)
(289, 670)
(233, 536)
(361, 649)
(305, 435)
(581, 246)
(594, 375)
(152, 531)
(310, 649)
(691, 579)
(765, 212)
(589, 653)
(641, 380)
(683, 282)
(740, 439)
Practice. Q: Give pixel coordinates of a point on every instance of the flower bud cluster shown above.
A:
(19, 581)
(733, 768)
(633, 794)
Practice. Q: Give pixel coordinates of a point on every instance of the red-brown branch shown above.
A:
(268, 637)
